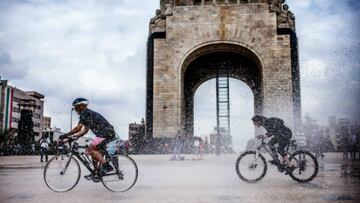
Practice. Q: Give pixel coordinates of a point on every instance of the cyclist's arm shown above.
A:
(75, 130)
(82, 132)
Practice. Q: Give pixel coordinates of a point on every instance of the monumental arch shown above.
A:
(191, 41)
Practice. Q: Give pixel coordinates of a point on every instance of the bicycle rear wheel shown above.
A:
(251, 167)
(62, 173)
(306, 166)
(124, 175)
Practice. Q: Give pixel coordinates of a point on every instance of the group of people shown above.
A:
(350, 145)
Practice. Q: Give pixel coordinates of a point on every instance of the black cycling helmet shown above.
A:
(80, 101)
(257, 118)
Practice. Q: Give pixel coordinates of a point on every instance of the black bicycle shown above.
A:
(62, 172)
(251, 166)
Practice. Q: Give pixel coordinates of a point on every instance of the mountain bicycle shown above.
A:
(251, 166)
(62, 172)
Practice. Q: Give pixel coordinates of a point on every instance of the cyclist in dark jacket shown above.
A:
(103, 130)
(276, 129)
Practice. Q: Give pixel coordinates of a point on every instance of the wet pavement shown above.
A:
(212, 179)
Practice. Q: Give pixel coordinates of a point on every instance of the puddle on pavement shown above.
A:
(347, 170)
(120, 198)
(20, 197)
(227, 198)
(330, 167)
(313, 186)
(143, 187)
(334, 197)
(350, 171)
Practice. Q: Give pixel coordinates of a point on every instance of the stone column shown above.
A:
(166, 101)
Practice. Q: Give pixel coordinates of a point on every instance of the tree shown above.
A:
(25, 131)
(4, 137)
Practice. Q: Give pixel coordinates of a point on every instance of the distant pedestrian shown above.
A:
(196, 145)
(33, 148)
(177, 146)
(44, 148)
(358, 144)
(353, 147)
(201, 148)
(343, 145)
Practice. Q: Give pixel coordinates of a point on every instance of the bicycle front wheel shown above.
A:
(124, 175)
(306, 166)
(62, 173)
(251, 167)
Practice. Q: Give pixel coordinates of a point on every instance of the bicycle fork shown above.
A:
(253, 165)
(62, 172)
(115, 163)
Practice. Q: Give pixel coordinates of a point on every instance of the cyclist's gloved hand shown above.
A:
(260, 136)
(64, 136)
(73, 137)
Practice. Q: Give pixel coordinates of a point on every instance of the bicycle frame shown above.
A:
(301, 160)
(82, 157)
(273, 155)
(85, 160)
(269, 151)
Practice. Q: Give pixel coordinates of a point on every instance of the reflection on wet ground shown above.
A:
(333, 197)
(313, 186)
(346, 170)
(19, 197)
(210, 180)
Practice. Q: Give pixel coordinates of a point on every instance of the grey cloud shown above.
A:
(10, 70)
(327, 32)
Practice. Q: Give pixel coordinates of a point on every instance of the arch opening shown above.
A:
(205, 63)
(241, 106)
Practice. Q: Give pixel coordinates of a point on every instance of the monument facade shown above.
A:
(192, 41)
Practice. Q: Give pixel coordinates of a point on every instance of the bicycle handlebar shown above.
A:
(261, 137)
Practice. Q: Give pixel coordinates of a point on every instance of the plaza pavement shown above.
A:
(212, 179)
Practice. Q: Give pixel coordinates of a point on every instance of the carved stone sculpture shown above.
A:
(157, 20)
(286, 18)
(168, 10)
(162, 4)
(275, 5)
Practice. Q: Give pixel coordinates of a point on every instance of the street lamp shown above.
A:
(71, 117)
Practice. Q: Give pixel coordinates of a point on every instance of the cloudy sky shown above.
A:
(97, 49)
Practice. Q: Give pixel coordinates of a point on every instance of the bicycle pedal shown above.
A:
(272, 162)
(289, 170)
(96, 179)
(88, 177)
(92, 177)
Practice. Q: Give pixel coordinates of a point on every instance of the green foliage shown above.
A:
(4, 136)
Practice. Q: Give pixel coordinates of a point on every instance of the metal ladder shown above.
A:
(222, 107)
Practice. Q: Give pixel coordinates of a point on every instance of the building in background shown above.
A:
(46, 123)
(137, 136)
(13, 101)
(52, 132)
(340, 130)
(338, 135)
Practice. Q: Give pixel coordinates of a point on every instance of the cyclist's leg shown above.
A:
(272, 143)
(100, 149)
(283, 143)
(93, 149)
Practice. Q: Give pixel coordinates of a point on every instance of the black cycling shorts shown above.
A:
(283, 143)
